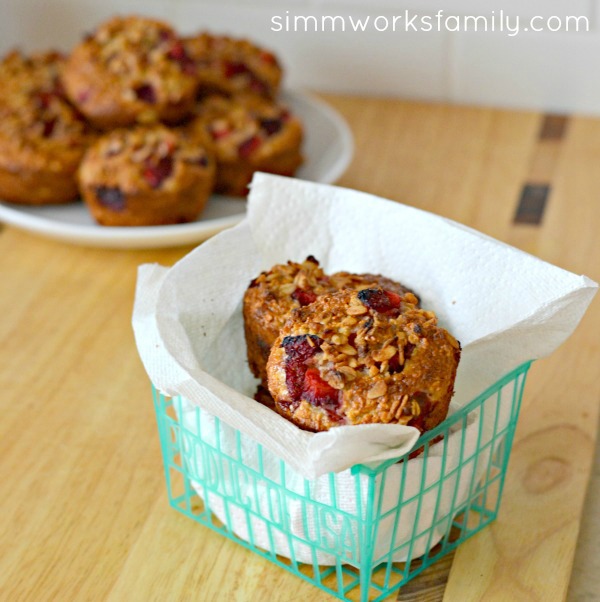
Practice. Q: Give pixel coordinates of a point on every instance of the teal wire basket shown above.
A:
(360, 534)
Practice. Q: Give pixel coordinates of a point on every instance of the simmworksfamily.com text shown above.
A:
(495, 21)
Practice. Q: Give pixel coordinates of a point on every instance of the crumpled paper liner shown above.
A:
(503, 305)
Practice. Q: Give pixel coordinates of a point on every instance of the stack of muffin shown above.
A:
(142, 124)
(343, 349)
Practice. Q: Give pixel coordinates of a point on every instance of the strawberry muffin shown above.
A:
(249, 134)
(149, 175)
(360, 357)
(231, 66)
(42, 141)
(131, 70)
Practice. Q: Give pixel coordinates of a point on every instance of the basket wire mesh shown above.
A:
(358, 535)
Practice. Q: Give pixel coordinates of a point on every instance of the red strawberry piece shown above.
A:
(146, 93)
(218, 131)
(256, 85)
(111, 197)
(43, 99)
(268, 57)
(294, 378)
(299, 348)
(318, 392)
(271, 126)
(83, 96)
(179, 54)
(232, 68)
(395, 298)
(156, 174)
(304, 297)
(379, 300)
(164, 35)
(298, 351)
(48, 126)
(246, 148)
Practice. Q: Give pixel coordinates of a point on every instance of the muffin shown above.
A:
(361, 357)
(231, 66)
(149, 175)
(131, 70)
(29, 74)
(270, 299)
(42, 141)
(249, 134)
(273, 295)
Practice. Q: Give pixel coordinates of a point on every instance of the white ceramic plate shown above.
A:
(328, 149)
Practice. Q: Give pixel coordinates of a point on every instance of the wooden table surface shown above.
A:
(84, 508)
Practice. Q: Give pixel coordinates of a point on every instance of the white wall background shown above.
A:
(557, 72)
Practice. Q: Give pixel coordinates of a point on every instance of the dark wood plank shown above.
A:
(532, 203)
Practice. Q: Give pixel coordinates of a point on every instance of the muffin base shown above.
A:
(233, 178)
(37, 187)
(159, 208)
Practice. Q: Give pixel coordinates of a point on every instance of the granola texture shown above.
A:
(360, 357)
(131, 70)
(147, 175)
(42, 141)
(249, 134)
(35, 73)
(274, 294)
(232, 66)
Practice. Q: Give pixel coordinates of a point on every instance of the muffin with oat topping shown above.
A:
(42, 141)
(359, 357)
(29, 74)
(270, 299)
(249, 134)
(148, 175)
(131, 70)
(231, 66)
(273, 295)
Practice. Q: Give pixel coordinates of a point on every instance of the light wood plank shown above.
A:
(529, 551)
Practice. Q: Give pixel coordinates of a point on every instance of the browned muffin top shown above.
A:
(363, 357)
(274, 294)
(142, 159)
(136, 48)
(230, 66)
(38, 72)
(247, 128)
(41, 130)
(139, 63)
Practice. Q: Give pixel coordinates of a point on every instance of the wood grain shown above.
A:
(84, 510)
(528, 553)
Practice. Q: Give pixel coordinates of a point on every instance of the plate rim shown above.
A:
(141, 237)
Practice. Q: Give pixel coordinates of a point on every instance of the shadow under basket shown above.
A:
(358, 535)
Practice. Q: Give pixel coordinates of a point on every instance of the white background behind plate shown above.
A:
(327, 149)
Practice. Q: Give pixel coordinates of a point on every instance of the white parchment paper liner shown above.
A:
(503, 305)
